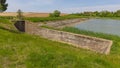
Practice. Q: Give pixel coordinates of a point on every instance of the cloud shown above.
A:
(42, 6)
(92, 8)
(27, 5)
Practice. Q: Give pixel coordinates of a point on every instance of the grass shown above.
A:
(5, 21)
(114, 18)
(44, 19)
(20, 50)
(114, 38)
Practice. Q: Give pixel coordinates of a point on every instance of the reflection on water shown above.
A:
(101, 25)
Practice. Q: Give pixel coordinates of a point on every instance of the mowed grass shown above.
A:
(19, 50)
(115, 50)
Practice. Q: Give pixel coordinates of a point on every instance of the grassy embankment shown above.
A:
(115, 18)
(44, 19)
(114, 38)
(19, 50)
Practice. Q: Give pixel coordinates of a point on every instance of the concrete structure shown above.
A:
(20, 25)
(92, 43)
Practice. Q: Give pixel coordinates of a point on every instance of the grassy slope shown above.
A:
(116, 40)
(44, 19)
(18, 49)
(22, 50)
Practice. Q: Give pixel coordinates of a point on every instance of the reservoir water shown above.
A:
(107, 26)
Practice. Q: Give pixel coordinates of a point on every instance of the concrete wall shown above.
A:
(77, 40)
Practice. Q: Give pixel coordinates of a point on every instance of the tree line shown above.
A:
(100, 14)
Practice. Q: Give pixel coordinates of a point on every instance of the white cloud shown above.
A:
(27, 5)
(38, 5)
(92, 8)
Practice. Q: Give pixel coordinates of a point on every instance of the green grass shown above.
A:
(114, 18)
(5, 21)
(44, 19)
(114, 38)
(20, 50)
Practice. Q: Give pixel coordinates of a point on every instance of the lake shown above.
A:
(107, 26)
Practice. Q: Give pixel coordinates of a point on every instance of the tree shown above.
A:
(96, 13)
(56, 13)
(20, 15)
(117, 13)
(3, 5)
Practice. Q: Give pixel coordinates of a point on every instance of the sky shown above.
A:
(65, 6)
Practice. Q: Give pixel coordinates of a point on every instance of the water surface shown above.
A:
(107, 26)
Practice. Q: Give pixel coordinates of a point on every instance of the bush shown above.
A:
(56, 13)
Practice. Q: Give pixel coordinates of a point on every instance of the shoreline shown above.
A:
(64, 23)
(76, 23)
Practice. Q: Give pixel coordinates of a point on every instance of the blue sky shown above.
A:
(66, 6)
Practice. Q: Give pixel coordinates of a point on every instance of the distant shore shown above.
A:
(65, 23)
(75, 23)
